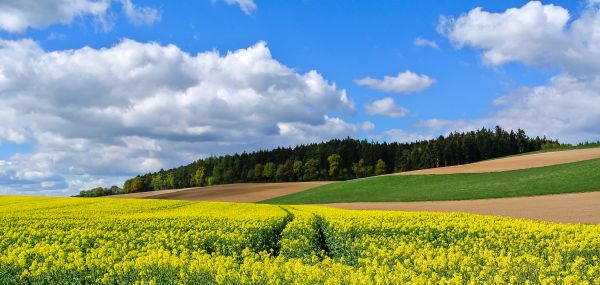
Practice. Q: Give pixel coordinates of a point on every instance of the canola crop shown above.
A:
(128, 241)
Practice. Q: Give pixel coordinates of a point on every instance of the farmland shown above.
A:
(239, 192)
(124, 241)
(574, 177)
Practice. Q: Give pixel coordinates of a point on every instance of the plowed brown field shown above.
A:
(514, 162)
(242, 192)
(564, 208)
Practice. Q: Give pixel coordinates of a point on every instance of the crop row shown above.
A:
(114, 241)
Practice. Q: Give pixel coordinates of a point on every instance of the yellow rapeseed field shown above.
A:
(122, 241)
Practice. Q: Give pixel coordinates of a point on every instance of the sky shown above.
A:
(93, 92)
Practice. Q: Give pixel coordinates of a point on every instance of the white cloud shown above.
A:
(330, 128)
(398, 135)
(404, 82)
(247, 6)
(568, 106)
(140, 15)
(421, 42)
(386, 107)
(535, 34)
(566, 109)
(17, 16)
(137, 107)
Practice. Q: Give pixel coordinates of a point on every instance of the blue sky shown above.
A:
(107, 89)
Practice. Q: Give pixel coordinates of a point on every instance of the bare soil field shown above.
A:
(242, 192)
(514, 162)
(564, 208)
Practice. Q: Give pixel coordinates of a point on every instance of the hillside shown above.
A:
(564, 178)
(239, 192)
(529, 160)
(340, 160)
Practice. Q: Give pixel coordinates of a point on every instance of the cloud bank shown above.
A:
(136, 107)
(16, 16)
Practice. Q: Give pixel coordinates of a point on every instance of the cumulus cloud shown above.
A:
(140, 15)
(421, 42)
(567, 108)
(403, 136)
(16, 16)
(404, 82)
(534, 34)
(538, 35)
(386, 107)
(137, 107)
(247, 6)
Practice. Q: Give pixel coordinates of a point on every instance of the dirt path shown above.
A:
(514, 162)
(564, 208)
(243, 192)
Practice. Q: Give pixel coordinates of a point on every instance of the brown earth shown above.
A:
(242, 192)
(564, 208)
(514, 162)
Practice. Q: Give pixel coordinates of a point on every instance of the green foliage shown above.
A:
(556, 146)
(199, 176)
(334, 164)
(170, 180)
(210, 181)
(297, 168)
(158, 181)
(99, 191)
(565, 178)
(380, 167)
(269, 170)
(357, 158)
(361, 169)
(280, 173)
(218, 173)
(300, 238)
(134, 185)
(311, 169)
(258, 170)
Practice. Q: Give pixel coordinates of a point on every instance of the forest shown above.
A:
(338, 159)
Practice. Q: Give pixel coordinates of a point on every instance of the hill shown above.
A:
(564, 178)
(340, 160)
(239, 192)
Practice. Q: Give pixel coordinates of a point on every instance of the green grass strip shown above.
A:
(581, 176)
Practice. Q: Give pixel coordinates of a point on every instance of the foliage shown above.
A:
(114, 241)
(269, 170)
(199, 176)
(380, 167)
(341, 160)
(99, 191)
(564, 178)
(334, 164)
(555, 146)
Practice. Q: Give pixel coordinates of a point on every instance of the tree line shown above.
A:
(340, 159)
(100, 191)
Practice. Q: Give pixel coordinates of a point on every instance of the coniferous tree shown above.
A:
(340, 159)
